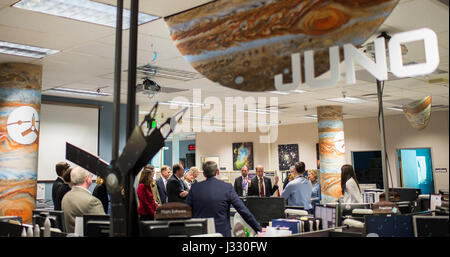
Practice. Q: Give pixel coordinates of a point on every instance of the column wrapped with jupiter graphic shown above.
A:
(331, 151)
(20, 103)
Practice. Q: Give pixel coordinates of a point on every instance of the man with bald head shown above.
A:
(242, 183)
(262, 186)
(79, 200)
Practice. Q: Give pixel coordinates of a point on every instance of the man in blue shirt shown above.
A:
(298, 191)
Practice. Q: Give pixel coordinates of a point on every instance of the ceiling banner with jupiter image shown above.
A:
(243, 44)
(242, 155)
(330, 123)
(20, 104)
(287, 156)
(418, 112)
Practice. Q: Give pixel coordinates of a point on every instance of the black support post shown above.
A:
(128, 183)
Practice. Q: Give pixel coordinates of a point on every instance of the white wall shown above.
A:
(360, 135)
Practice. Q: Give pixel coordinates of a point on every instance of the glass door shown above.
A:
(416, 169)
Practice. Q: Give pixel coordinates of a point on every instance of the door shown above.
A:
(416, 170)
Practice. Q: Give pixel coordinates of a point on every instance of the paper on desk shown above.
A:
(40, 194)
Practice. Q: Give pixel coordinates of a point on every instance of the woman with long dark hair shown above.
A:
(147, 204)
(350, 185)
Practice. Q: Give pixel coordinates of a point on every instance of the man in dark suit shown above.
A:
(262, 186)
(59, 182)
(176, 190)
(242, 183)
(212, 199)
(161, 183)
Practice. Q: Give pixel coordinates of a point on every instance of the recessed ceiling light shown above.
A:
(349, 100)
(25, 50)
(312, 116)
(286, 93)
(83, 10)
(395, 109)
(184, 104)
(76, 91)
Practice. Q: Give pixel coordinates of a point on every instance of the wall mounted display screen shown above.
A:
(61, 124)
(367, 165)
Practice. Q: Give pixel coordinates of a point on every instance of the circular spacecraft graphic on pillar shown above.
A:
(339, 143)
(23, 125)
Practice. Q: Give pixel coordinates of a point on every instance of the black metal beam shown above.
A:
(130, 199)
(117, 80)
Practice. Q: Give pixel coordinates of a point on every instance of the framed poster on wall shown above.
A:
(242, 155)
(287, 156)
(215, 159)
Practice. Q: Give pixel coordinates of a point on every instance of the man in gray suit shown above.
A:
(79, 201)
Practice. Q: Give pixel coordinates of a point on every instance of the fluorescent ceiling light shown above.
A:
(260, 111)
(278, 92)
(349, 100)
(297, 91)
(25, 50)
(76, 91)
(312, 116)
(286, 93)
(395, 109)
(83, 10)
(184, 104)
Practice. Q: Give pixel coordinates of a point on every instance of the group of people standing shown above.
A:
(70, 193)
(167, 188)
(211, 198)
(300, 188)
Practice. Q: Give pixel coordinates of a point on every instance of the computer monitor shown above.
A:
(347, 208)
(56, 218)
(266, 208)
(174, 228)
(407, 194)
(430, 226)
(92, 217)
(96, 228)
(389, 225)
(327, 215)
(435, 200)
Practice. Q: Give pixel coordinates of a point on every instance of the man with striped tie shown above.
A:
(242, 183)
(262, 186)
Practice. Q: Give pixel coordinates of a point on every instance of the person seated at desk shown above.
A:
(212, 199)
(298, 191)
(79, 201)
(262, 186)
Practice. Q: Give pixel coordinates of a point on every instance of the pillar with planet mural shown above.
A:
(331, 151)
(20, 103)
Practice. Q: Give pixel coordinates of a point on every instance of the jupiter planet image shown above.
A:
(243, 44)
(20, 101)
(418, 112)
(331, 149)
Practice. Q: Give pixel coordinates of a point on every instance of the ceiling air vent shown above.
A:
(153, 71)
